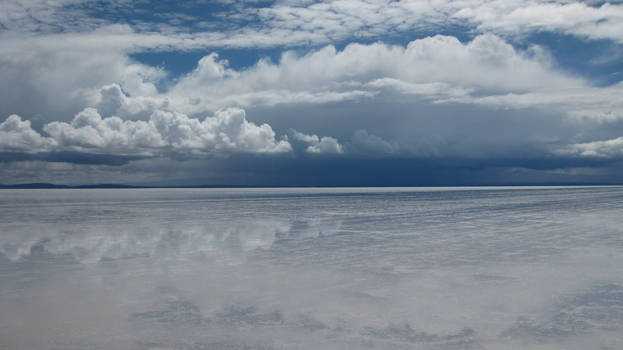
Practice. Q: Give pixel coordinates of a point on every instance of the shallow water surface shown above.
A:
(356, 268)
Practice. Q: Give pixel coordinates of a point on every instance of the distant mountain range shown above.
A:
(44, 185)
(49, 185)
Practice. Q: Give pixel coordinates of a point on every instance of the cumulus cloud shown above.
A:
(227, 131)
(438, 68)
(319, 145)
(112, 100)
(16, 135)
(90, 133)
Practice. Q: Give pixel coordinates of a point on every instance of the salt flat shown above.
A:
(312, 268)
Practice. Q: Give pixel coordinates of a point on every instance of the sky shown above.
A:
(311, 93)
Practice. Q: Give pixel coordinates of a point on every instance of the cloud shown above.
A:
(444, 91)
(601, 149)
(295, 23)
(437, 68)
(437, 91)
(485, 94)
(584, 102)
(226, 132)
(112, 100)
(55, 80)
(574, 18)
(486, 71)
(16, 135)
(336, 20)
(363, 143)
(90, 133)
(319, 145)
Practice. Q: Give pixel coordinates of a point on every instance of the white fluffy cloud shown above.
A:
(437, 68)
(89, 132)
(227, 131)
(16, 135)
(319, 145)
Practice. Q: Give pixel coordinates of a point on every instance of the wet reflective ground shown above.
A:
(399, 268)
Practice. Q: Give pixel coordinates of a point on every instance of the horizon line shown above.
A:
(45, 185)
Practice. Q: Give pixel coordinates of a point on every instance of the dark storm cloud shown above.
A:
(394, 171)
(69, 157)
